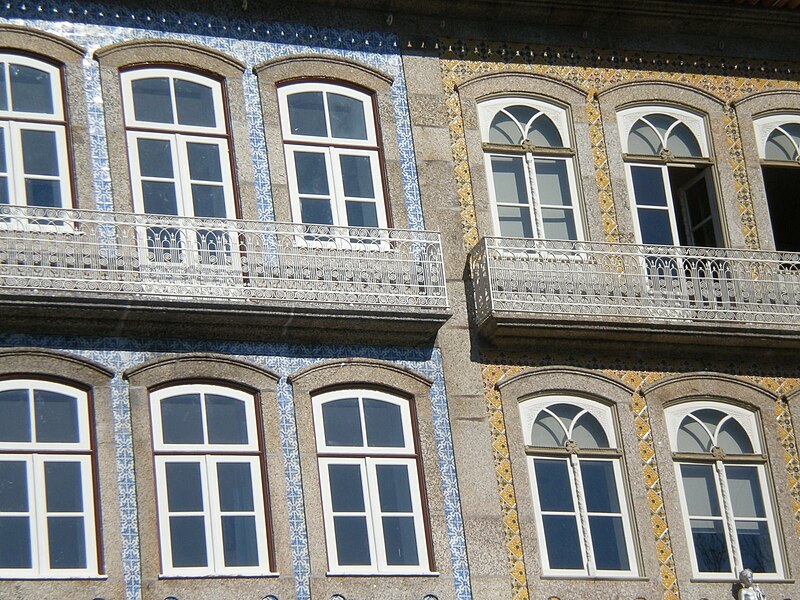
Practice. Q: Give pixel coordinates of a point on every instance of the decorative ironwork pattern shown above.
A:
(52, 252)
(747, 287)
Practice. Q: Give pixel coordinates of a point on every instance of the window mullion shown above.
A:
(211, 507)
(583, 514)
(373, 501)
(37, 507)
(728, 519)
(533, 193)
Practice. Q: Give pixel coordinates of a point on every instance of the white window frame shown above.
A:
(35, 455)
(208, 456)
(748, 420)
(368, 458)
(764, 127)
(486, 112)
(529, 411)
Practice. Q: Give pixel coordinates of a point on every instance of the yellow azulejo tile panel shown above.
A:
(593, 71)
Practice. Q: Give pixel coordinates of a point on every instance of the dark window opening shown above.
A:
(782, 185)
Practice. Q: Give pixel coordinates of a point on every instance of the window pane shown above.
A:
(400, 541)
(15, 426)
(342, 423)
(151, 100)
(745, 490)
(4, 198)
(239, 542)
(13, 486)
(159, 198)
(307, 114)
(347, 117)
(208, 201)
(515, 221)
(682, 142)
(693, 437)
(39, 152)
(235, 487)
(588, 432)
(357, 176)
(544, 133)
(508, 175)
(547, 431)
(600, 486)
(552, 483)
(553, 182)
(312, 173)
(43, 193)
(227, 420)
(700, 489)
(655, 227)
(733, 438)
(608, 542)
(204, 162)
(563, 545)
(3, 88)
(347, 494)
(648, 186)
(558, 224)
(63, 489)
(504, 130)
(56, 417)
(31, 90)
(755, 546)
(155, 158)
(709, 546)
(181, 419)
(779, 147)
(184, 487)
(393, 488)
(66, 537)
(384, 424)
(361, 214)
(195, 104)
(316, 212)
(15, 543)
(644, 140)
(352, 543)
(188, 537)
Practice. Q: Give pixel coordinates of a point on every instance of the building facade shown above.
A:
(417, 300)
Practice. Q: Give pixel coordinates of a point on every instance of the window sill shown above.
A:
(374, 574)
(54, 578)
(596, 578)
(758, 581)
(218, 576)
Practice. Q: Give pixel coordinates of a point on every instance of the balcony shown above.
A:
(626, 293)
(75, 271)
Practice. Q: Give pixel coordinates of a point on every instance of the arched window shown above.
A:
(34, 165)
(333, 155)
(47, 499)
(582, 516)
(727, 508)
(209, 471)
(778, 138)
(370, 478)
(670, 177)
(179, 154)
(530, 161)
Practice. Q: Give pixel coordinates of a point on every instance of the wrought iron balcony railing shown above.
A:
(614, 282)
(52, 253)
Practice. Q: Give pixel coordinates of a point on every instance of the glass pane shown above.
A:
(195, 104)
(522, 114)
(608, 542)
(755, 546)
(643, 140)
(588, 432)
(151, 100)
(793, 129)
(548, 431)
(648, 186)
(693, 437)
(316, 212)
(504, 130)
(661, 122)
(361, 214)
(709, 546)
(15, 543)
(655, 227)
(733, 438)
(56, 417)
(31, 90)
(710, 417)
(347, 117)
(342, 422)
(181, 419)
(682, 142)
(43, 193)
(227, 420)
(239, 541)
(352, 543)
(553, 485)
(159, 198)
(15, 426)
(347, 494)
(3, 88)
(779, 147)
(235, 487)
(312, 173)
(558, 224)
(155, 158)
(39, 152)
(188, 537)
(63, 491)
(357, 176)
(565, 412)
(544, 133)
(208, 201)
(700, 490)
(4, 199)
(563, 544)
(184, 487)
(393, 488)
(204, 162)
(66, 537)
(384, 424)
(508, 174)
(13, 486)
(3, 166)
(515, 221)
(745, 490)
(600, 486)
(553, 182)
(307, 114)
(400, 541)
